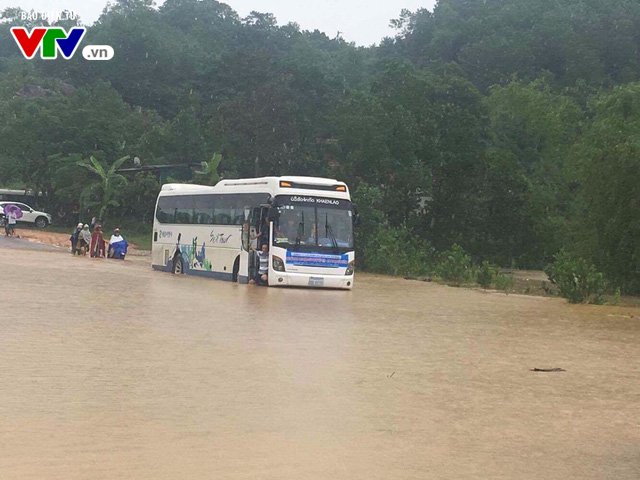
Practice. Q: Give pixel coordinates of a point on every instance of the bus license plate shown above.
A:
(316, 282)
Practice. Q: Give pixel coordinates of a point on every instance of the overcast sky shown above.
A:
(361, 21)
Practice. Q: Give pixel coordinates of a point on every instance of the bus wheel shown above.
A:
(236, 269)
(178, 267)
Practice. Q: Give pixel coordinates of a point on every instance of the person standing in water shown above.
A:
(75, 238)
(97, 243)
(262, 278)
(84, 239)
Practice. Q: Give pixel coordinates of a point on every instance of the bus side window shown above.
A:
(203, 207)
(203, 218)
(185, 206)
(220, 211)
(166, 210)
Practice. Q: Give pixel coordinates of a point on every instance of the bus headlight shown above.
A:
(350, 268)
(278, 264)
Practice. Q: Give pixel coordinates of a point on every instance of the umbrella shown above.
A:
(13, 209)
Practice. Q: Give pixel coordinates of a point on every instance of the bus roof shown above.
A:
(275, 181)
(298, 185)
(185, 187)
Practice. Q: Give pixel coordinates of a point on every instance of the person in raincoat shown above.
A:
(84, 240)
(75, 238)
(97, 243)
(117, 246)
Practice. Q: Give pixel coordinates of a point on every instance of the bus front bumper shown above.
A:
(285, 279)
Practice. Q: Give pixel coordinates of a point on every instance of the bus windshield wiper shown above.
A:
(300, 231)
(329, 233)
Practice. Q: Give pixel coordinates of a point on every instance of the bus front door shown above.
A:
(259, 233)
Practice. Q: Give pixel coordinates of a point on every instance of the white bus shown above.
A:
(215, 231)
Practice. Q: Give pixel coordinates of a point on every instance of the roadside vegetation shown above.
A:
(481, 138)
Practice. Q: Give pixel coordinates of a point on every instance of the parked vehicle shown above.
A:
(29, 215)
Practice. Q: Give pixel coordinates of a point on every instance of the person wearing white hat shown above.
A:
(117, 246)
(75, 239)
(84, 239)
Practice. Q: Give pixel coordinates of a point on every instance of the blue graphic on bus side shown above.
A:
(303, 259)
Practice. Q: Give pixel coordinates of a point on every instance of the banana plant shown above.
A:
(209, 174)
(105, 186)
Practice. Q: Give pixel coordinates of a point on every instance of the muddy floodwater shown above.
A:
(109, 370)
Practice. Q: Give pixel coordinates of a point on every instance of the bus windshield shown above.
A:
(313, 224)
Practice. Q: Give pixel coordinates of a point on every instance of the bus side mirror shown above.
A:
(273, 214)
(356, 215)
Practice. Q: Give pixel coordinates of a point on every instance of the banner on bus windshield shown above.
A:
(303, 259)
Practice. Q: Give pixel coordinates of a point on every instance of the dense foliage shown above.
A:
(576, 280)
(510, 128)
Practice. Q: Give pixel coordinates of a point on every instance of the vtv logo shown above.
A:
(51, 39)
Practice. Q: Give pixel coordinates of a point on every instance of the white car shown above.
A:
(29, 215)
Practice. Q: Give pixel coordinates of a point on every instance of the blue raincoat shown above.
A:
(119, 248)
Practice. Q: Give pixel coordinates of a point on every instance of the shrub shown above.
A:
(396, 251)
(504, 282)
(616, 297)
(548, 290)
(455, 266)
(576, 279)
(485, 275)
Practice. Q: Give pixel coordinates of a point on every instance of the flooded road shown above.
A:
(112, 371)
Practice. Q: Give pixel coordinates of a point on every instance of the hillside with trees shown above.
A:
(510, 128)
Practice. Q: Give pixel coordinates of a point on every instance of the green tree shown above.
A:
(419, 136)
(495, 41)
(105, 187)
(607, 224)
(209, 174)
(527, 194)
